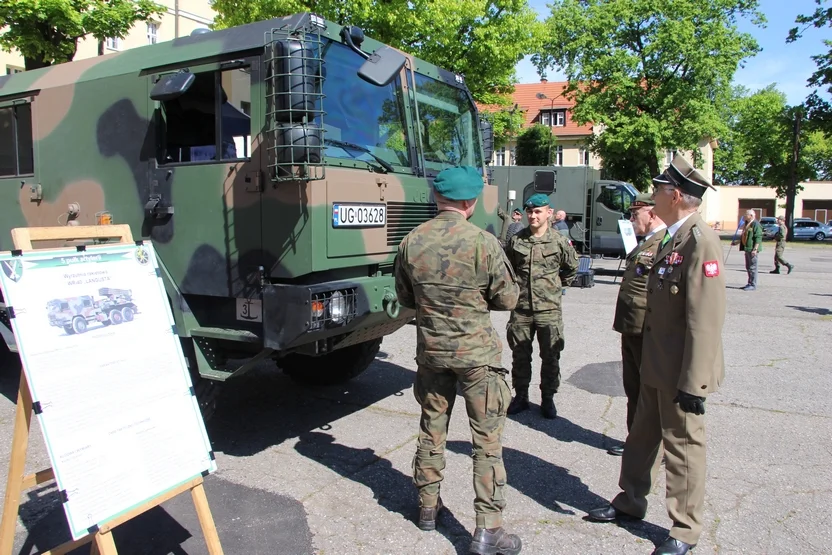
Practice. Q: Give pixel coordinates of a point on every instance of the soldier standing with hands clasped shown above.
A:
(682, 362)
(631, 305)
(453, 273)
(544, 263)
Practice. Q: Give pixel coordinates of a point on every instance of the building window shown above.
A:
(545, 118)
(152, 33)
(189, 126)
(113, 43)
(583, 156)
(558, 156)
(501, 157)
(559, 118)
(13, 69)
(16, 145)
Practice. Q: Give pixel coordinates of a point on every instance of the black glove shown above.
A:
(690, 403)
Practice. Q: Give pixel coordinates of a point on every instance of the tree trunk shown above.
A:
(101, 48)
(791, 192)
(653, 165)
(35, 63)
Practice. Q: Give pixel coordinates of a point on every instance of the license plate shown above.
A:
(359, 215)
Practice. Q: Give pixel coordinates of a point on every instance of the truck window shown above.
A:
(358, 112)
(618, 199)
(190, 122)
(447, 123)
(16, 145)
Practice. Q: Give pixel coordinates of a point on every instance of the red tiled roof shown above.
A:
(525, 95)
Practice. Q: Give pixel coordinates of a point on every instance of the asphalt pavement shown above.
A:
(328, 470)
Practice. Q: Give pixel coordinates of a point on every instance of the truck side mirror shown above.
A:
(487, 131)
(172, 86)
(545, 181)
(382, 66)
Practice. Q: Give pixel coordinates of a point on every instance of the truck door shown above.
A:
(206, 185)
(612, 201)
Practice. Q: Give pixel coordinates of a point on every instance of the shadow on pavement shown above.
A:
(392, 490)
(265, 408)
(551, 485)
(246, 521)
(812, 310)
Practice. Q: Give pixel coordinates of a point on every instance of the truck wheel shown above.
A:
(79, 325)
(333, 368)
(115, 317)
(69, 329)
(127, 314)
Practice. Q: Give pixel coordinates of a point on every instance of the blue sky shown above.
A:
(787, 65)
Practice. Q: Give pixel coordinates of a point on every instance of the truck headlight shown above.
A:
(338, 309)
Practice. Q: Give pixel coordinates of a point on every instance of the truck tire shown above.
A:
(115, 317)
(127, 314)
(333, 368)
(79, 325)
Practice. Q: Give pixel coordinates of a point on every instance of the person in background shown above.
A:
(780, 237)
(751, 242)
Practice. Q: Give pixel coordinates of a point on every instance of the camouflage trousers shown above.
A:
(487, 396)
(778, 258)
(520, 333)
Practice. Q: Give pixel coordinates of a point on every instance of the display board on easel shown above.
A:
(103, 370)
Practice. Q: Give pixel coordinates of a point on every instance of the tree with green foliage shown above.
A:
(505, 122)
(535, 145)
(647, 73)
(480, 39)
(47, 32)
(819, 108)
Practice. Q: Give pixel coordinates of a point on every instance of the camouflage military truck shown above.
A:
(275, 166)
(74, 314)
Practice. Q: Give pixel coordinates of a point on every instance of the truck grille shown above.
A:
(402, 217)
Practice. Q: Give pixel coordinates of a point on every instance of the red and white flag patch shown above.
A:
(711, 268)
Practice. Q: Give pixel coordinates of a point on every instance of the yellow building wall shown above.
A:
(182, 17)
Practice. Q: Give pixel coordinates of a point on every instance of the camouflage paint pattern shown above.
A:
(543, 265)
(233, 232)
(487, 397)
(453, 273)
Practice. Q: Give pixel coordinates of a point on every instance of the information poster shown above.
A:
(109, 382)
(628, 235)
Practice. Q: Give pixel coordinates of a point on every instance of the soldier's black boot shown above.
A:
(791, 267)
(519, 403)
(427, 516)
(547, 408)
(775, 271)
(495, 541)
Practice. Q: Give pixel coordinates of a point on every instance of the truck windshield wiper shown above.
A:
(386, 165)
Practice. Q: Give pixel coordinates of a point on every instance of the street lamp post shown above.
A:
(542, 96)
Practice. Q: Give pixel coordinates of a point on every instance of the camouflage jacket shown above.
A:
(543, 266)
(452, 273)
(781, 236)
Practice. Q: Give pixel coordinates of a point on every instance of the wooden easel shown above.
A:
(17, 482)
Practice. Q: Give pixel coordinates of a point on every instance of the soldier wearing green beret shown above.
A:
(544, 263)
(453, 273)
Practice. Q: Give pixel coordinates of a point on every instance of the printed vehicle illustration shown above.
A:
(74, 314)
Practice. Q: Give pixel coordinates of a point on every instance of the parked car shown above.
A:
(811, 229)
(770, 227)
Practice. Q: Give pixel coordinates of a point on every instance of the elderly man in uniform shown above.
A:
(544, 263)
(682, 362)
(751, 241)
(780, 237)
(632, 299)
(453, 273)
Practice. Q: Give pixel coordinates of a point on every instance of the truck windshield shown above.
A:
(447, 124)
(358, 113)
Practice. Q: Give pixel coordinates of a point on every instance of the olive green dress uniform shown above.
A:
(780, 246)
(630, 309)
(682, 362)
(543, 265)
(453, 273)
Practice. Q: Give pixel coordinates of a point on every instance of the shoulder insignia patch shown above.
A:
(697, 232)
(711, 268)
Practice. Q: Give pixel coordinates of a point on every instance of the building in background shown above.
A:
(181, 18)
(545, 103)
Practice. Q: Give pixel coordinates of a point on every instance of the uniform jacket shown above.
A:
(682, 345)
(781, 236)
(752, 237)
(631, 305)
(543, 266)
(452, 273)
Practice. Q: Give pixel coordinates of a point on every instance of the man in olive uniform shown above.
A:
(751, 242)
(780, 237)
(682, 362)
(632, 299)
(453, 273)
(544, 263)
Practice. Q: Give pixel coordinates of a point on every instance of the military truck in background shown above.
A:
(275, 167)
(593, 205)
(74, 314)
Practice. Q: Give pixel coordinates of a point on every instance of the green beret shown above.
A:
(459, 183)
(536, 200)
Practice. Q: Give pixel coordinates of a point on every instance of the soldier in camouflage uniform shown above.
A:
(453, 273)
(780, 237)
(544, 263)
